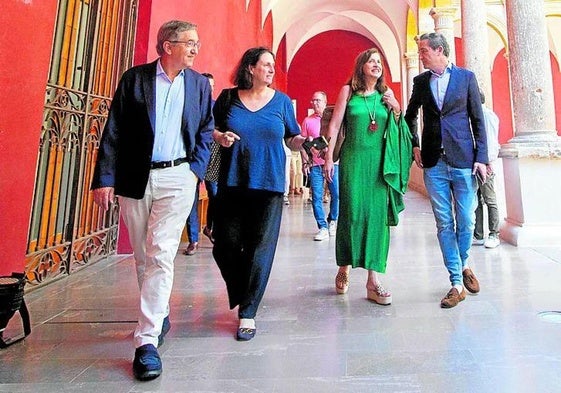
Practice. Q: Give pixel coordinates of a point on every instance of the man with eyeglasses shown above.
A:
(313, 167)
(154, 148)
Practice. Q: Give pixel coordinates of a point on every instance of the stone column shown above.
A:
(444, 24)
(476, 44)
(412, 66)
(532, 159)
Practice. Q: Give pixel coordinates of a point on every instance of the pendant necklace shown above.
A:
(372, 126)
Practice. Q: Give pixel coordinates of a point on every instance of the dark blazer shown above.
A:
(459, 127)
(125, 151)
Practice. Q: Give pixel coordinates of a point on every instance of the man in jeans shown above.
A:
(313, 167)
(453, 150)
(486, 192)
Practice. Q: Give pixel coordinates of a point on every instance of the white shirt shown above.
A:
(492, 130)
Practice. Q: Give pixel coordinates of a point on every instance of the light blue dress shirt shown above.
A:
(170, 98)
(439, 84)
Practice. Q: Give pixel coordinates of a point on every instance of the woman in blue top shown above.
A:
(252, 121)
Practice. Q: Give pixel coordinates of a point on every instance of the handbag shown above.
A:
(214, 163)
(325, 119)
(339, 142)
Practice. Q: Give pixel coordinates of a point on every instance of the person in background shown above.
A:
(253, 121)
(486, 192)
(296, 175)
(154, 148)
(193, 223)
(287, 174)
(210, 184)
(312, 166)
(368, 108)
(454, 149)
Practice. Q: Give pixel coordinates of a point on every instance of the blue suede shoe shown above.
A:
(166, 326)
(245, 334)
(147, 364)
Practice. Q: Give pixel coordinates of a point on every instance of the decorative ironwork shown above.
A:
(92, 47)
(47, 264)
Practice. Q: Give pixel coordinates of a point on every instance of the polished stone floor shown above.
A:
(309, 339)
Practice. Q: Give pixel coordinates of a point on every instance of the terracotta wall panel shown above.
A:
(26, 31)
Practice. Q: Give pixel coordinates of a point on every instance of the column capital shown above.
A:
(443, 17)
(411, 59)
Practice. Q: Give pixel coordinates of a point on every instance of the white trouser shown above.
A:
(155, 223)
(288, 153)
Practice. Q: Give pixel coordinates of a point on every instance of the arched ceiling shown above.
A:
(387, 23)
(383, 22)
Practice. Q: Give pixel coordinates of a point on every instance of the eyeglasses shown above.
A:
(189, 44)
(316, 100)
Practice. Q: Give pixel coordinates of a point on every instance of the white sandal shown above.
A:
(379, 295)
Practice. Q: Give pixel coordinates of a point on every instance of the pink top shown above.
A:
(311, 126)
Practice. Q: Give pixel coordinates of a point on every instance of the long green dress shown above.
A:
(363, 234)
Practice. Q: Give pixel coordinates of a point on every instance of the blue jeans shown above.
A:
(316, 186)
(211, 190)
(453, 191)
(192, 224)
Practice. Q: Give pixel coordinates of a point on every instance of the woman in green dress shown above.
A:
(365, 104)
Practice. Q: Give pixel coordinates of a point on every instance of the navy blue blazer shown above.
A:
(125, 151)
(459, 127)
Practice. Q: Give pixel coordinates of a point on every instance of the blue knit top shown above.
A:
(257, 160)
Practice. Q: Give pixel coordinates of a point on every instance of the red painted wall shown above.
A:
(281, 74)
(26, 30)
(325, 63)
(459, 47)
(142, 32)
(225, 30)
(502, 105)
(556, 91)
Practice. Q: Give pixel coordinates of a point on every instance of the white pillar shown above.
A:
(475, 39)
(412, 67)
(532, 159)
(444, 24)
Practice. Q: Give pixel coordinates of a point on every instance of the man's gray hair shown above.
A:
(170, 31)
(435, 40)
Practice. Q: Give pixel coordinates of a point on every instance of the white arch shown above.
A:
(354, 21)
(300, 21)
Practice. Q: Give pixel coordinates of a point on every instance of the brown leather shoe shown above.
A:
(470, 281)
(452, 298)
(208, 233)
(191, 249)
